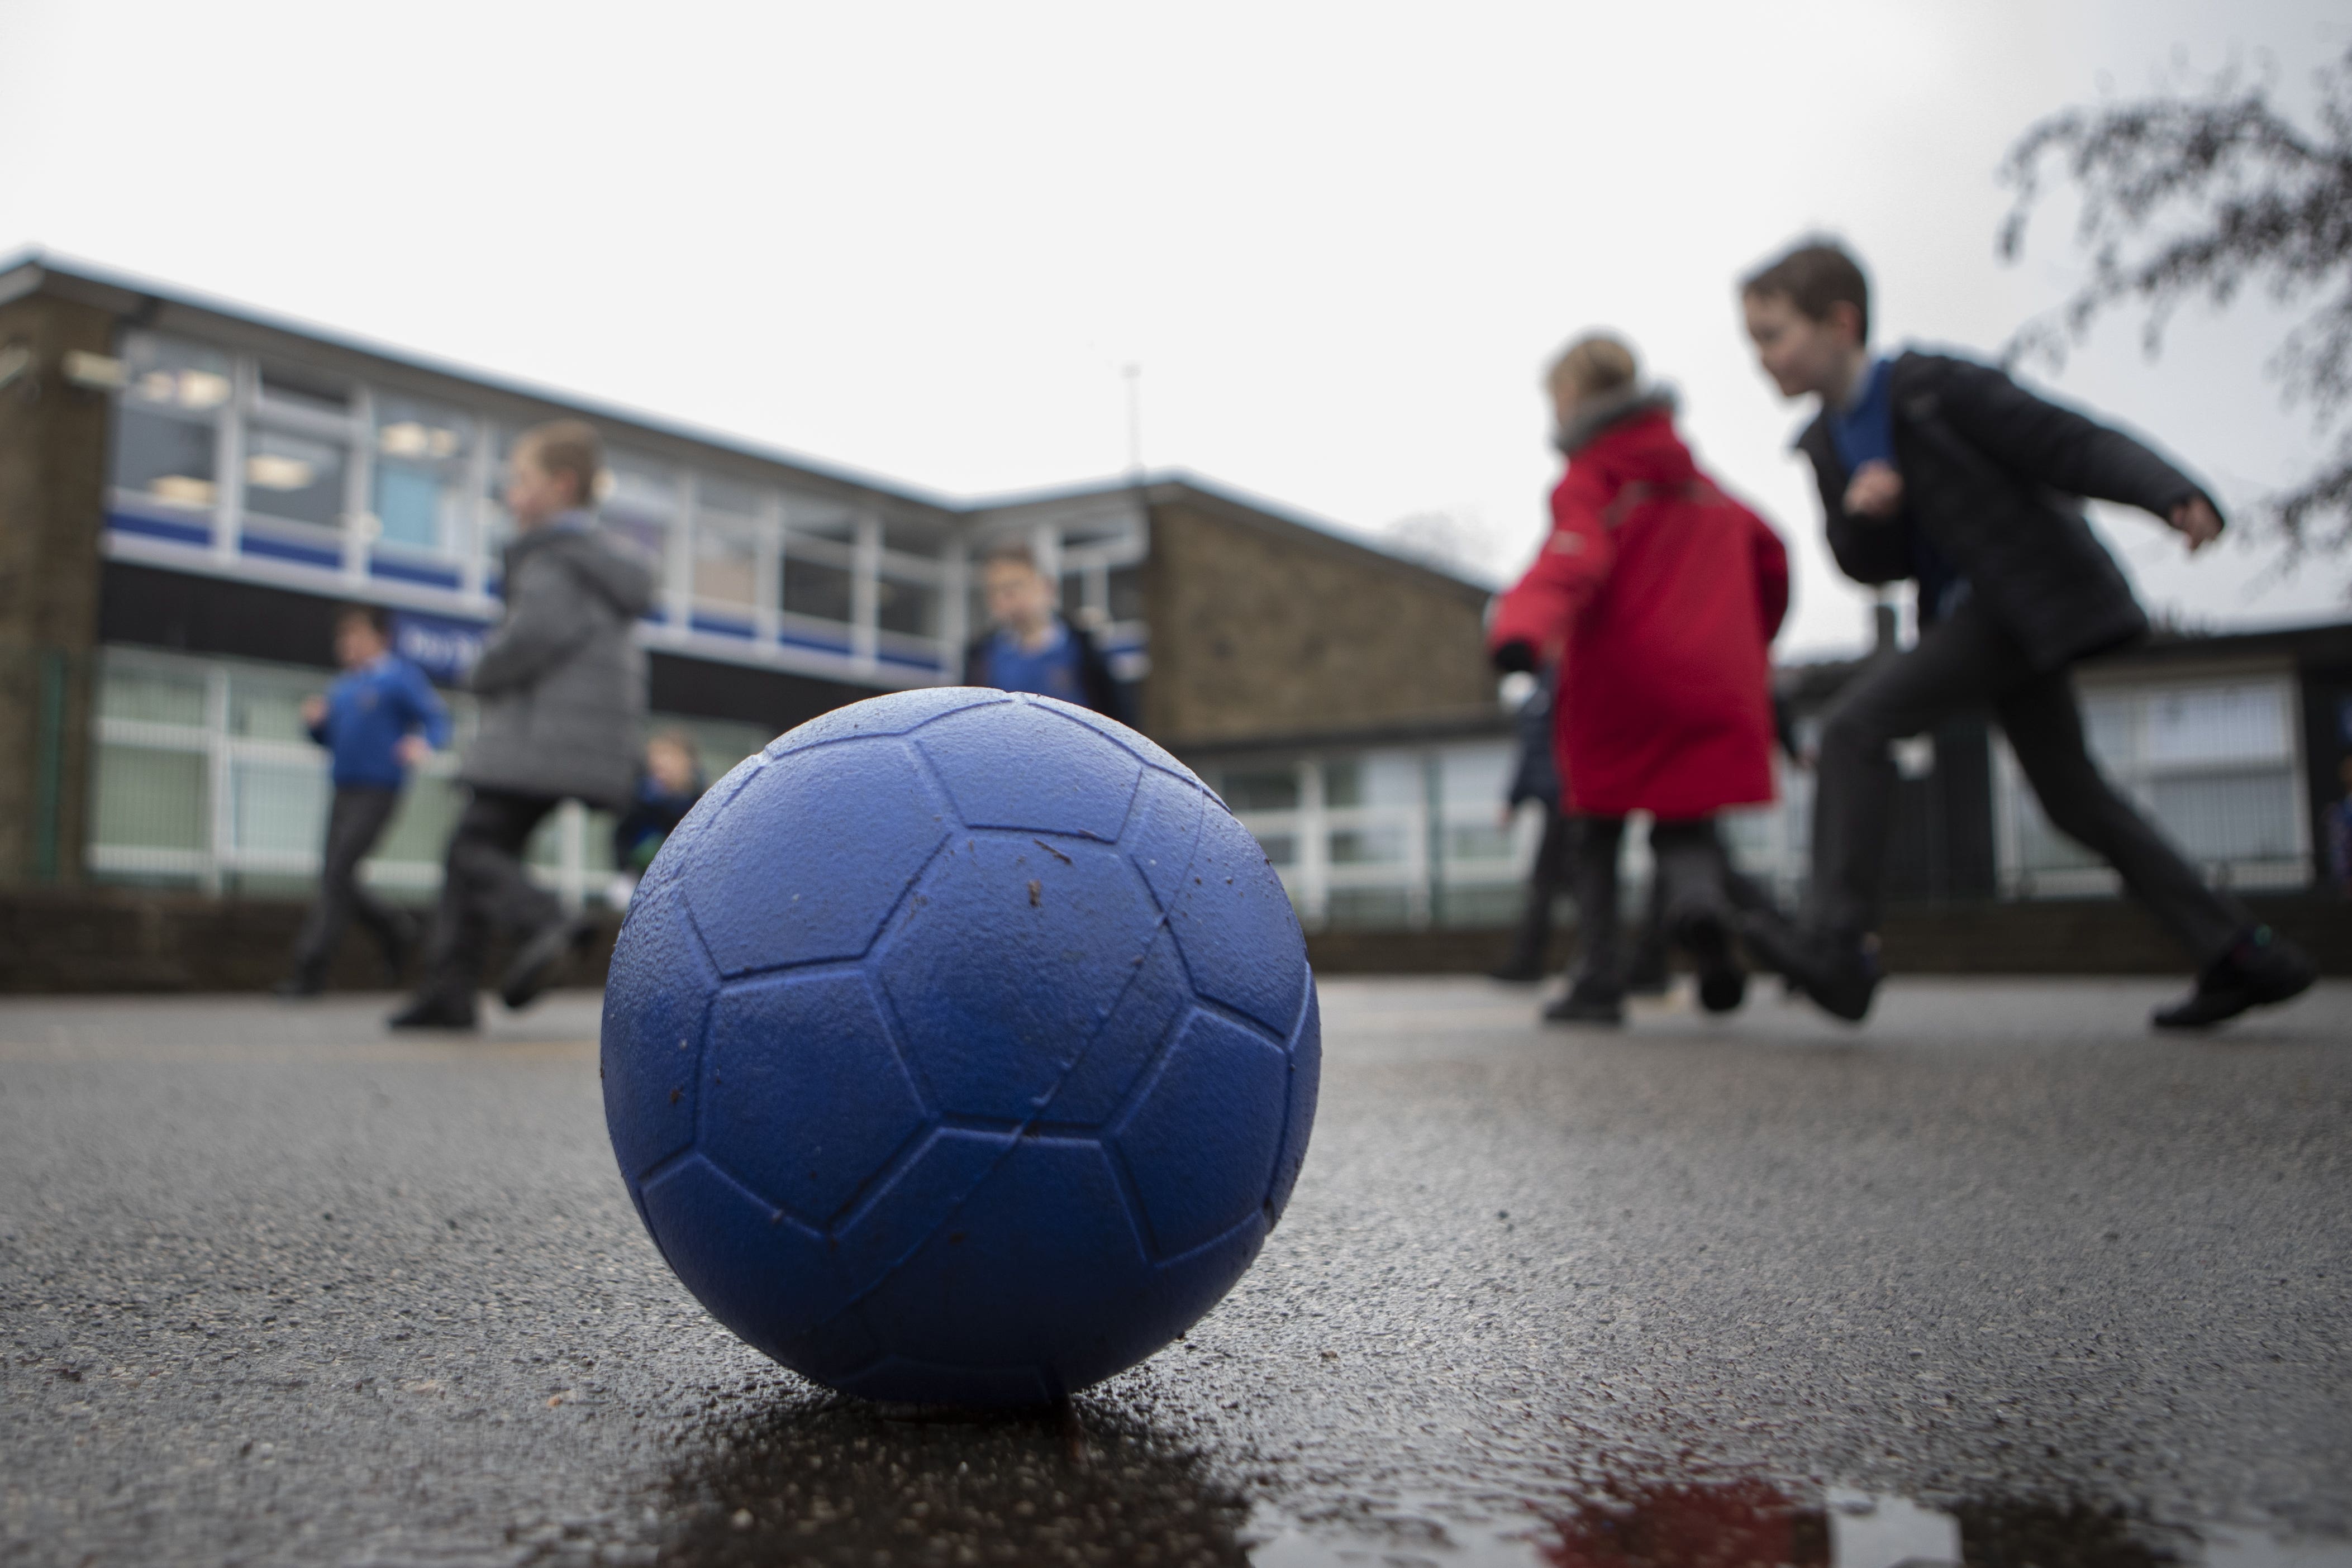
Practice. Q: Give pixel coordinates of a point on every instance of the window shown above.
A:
(421, 460)
(820, 561)
(727, 548)
(166, 421)
(2213, 763)
(1261, 788)
(926, 540)
(1377, 779)
(641, 510)
(175, 736)
(294, 478)
(1126, 586)
(909, 609)
(302, 392)
(817, 590)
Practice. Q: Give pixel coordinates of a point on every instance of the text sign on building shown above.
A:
(444, 648)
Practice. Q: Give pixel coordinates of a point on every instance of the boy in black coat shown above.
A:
(1948, 473)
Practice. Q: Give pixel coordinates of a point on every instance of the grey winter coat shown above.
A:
(562, 682)
(1989, 474)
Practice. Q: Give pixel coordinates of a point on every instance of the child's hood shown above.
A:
(620, 579)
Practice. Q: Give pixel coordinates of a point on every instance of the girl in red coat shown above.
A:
(1661, 596)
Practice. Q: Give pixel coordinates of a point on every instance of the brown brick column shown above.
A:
(53, 438)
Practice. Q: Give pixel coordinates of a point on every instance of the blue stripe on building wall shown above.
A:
(178, 532)
(791, 641)
(720, 626)
(414, 571)
(268, 548)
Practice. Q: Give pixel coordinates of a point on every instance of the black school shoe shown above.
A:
(1839, 974)
(1722, 983)
(434, 1012)
(1589, 1001)
(2262, 969)
(537, 961)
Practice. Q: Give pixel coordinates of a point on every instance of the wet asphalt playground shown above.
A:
(2000, 1275)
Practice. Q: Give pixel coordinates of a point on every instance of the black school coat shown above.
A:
(1994, 476)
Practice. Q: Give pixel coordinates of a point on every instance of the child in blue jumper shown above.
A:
(379, 720)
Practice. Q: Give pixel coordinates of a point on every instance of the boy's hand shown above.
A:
(2197, 522)
(411, 751)
(314, 711)
(1875, 491)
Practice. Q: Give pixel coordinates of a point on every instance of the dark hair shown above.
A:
(1812, 277)
(378, 618)
(567, 446)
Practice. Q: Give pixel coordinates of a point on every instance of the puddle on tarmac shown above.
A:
(1753, 1525)
(831, 1480)
(826, 1480)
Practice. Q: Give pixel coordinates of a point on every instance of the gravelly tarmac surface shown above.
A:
(278, 1289)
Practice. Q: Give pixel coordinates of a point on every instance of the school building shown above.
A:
(188, 490)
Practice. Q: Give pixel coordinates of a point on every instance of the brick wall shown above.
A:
(1262, 627)
(52, 498)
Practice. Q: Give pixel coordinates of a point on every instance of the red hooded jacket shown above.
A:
(1662, 595)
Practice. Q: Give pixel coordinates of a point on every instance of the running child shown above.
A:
(1946, 472)
(1662, 596)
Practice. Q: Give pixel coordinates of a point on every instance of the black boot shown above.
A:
(305, 982)
(2261, 968)
(433, 1012)
(541, 955)
(1589, 1001)
(1840, 972)
(1722, 983)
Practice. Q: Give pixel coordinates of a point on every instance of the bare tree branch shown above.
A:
(2187, 197)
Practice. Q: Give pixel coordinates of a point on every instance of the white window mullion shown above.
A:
(221, 841)
(864, 589)
(768, 582)
(679, 546)
(228, 501)
(360, 523)
(955, 608)
(1314, 846)
(474, 518)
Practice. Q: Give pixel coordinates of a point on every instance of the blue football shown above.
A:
(960, 1047)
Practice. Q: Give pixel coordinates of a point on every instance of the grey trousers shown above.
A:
(1963, 664)
(484, 887)
(1694, 881)
(354, 822)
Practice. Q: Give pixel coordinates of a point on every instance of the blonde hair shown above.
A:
(1596, 362)
(563, 446)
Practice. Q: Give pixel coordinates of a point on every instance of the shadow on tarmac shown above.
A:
(827, 1479)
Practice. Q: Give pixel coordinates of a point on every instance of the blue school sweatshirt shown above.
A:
(368, 711)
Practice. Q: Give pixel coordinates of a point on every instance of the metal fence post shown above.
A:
(48, 761)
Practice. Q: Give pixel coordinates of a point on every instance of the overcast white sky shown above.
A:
(1341, 239)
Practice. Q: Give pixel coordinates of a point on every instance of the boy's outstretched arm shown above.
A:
(426, 711)
(2067, 451)
(1573, 563)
